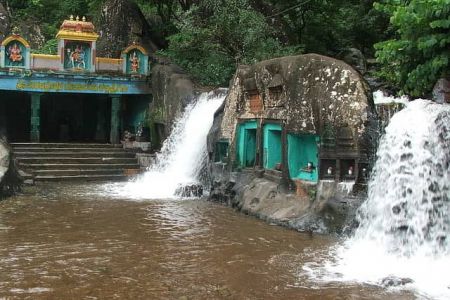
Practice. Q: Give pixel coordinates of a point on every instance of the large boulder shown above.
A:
(10, 179)
(4, 159)
(306, 95)
(310, 93)
(172, 91)
(30, 30)
(122, 23)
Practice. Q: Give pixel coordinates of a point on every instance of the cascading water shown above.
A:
(183, 153)
(404, 233)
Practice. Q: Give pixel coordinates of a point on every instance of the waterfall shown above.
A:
(403, 238)
(183, 153)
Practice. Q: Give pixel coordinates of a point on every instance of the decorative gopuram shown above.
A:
(72, 95)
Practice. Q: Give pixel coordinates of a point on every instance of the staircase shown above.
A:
(69, 161)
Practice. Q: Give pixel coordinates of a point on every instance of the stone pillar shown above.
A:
(285, 180)
(35, 132)
(116, 102)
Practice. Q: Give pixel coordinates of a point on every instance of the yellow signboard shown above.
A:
(68, 87)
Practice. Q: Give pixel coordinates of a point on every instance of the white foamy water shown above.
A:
(380, 98)
(404, 231)
(182, 155)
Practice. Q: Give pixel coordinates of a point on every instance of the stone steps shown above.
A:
(78, 166)
(76, 172)
(65, 145)
(70, 161)
(81, 177)
(70, 154)
(76, 160)
(67, 149)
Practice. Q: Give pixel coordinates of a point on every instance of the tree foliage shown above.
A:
(214, 36)
(50, 13)
(419, 54)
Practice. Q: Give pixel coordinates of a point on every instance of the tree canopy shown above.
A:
(419, 53)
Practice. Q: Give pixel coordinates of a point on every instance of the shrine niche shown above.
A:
(76, 45)
(15, 52)
(77, 55)
(135, 60)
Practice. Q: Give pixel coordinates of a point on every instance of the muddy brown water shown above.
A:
(73, 241)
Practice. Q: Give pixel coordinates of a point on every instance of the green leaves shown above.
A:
(215, 36)
(420, 53)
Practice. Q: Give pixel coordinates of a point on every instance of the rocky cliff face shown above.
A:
(172, 91)
(5, 22)
(121, 23)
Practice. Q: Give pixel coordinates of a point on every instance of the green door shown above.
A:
(250, 147)
(272, 145)
(246, 144)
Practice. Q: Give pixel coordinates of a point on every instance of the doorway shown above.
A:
(75, 118)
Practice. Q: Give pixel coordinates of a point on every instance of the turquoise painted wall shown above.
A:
(272, 145)
(301, 150)
(246, 144)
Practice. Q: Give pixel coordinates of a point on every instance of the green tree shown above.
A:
(214, 36)
(420, 52)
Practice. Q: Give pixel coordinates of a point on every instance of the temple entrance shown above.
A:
(75, 118)
(15, 115)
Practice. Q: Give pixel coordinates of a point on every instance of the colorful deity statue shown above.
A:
(15, 53)
(134, 59)
(77, 58)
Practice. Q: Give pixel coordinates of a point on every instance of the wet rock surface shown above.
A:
(10, 179)
(4, 159)
(188, 191)
(267, 200)
(395, 281)
(172, 91)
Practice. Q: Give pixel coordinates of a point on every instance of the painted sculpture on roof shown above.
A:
(134, 60)
(14, 53)
(76, 53)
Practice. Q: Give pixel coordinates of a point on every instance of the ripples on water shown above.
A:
(78, 242)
